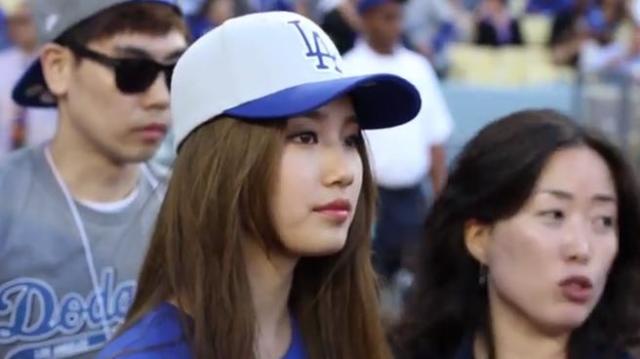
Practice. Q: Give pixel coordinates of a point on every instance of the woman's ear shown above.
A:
(476, 239)
(57, 64)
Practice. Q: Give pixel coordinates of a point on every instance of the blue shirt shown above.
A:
(199, 26)
(4, 37)
(159, 334)
(548, 6)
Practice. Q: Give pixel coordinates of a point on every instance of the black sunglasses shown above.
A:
(133, 75)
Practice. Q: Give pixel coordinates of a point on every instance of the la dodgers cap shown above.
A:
(53, 18)
(277, 65)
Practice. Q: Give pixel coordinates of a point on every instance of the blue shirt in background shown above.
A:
(199, 26)
(550, 7)
(4, 40)
(159, 334)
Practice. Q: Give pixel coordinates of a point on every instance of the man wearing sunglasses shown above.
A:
(75, 213)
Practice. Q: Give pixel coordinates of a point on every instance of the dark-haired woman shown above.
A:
(532, 249)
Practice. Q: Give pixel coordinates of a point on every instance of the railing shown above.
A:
(610, 102)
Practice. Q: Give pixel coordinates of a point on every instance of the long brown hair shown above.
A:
(218, 196)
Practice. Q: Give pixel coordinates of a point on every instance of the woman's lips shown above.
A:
(337, 210)
(577, 289)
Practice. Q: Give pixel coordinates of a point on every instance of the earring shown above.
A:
(482, 277)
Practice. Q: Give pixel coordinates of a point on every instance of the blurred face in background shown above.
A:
(614, 10)
(582, 6)
(22, 29)
(218, 11)
(494, 6)
(382, 25)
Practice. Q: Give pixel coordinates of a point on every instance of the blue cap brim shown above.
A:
(31, 90)
(380, 101)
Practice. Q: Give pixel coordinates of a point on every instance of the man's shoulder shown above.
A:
(410, 54)
(357, 52)
(413, 57)
(16, 166)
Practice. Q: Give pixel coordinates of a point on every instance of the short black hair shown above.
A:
(147, 18)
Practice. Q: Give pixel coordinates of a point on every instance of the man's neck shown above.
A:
(89, 174)
(270, 277)
(380, 48)
(516, 337)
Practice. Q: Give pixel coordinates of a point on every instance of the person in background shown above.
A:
(602, 52)
(211, 14)
(549, 7)
(470, 5)
(4, 40)
(303, 7)
(631, 62)
(432, 25)
(20, 126)
(406, 159)
(190, 7)
(262, 246)
(496, 26)
(77, 211)
(569, 31)
(341, 21)
(532, 249)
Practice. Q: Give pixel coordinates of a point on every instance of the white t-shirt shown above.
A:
(595, 57)
(401, 155)
(41, 123)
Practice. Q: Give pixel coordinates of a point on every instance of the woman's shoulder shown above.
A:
(158, 334)
(611, 353)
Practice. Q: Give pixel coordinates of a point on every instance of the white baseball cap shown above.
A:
(277, 65)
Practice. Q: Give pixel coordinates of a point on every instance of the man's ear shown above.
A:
(57, 65)
(476, 239)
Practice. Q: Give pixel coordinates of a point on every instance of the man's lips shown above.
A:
(153, 132)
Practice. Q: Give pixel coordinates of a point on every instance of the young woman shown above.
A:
(262, 247)
(532, 250)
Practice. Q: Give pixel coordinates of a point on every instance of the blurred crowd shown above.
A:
(591, 35)
(532, 40)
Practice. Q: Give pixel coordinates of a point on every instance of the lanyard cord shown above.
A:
(85, 239)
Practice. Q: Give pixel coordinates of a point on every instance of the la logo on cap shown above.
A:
(318, 49)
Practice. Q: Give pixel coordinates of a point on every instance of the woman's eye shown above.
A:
(605, 222)
(353, 140)
(552, 215)
(305, 138)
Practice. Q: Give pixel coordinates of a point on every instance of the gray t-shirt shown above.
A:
(47, 304)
